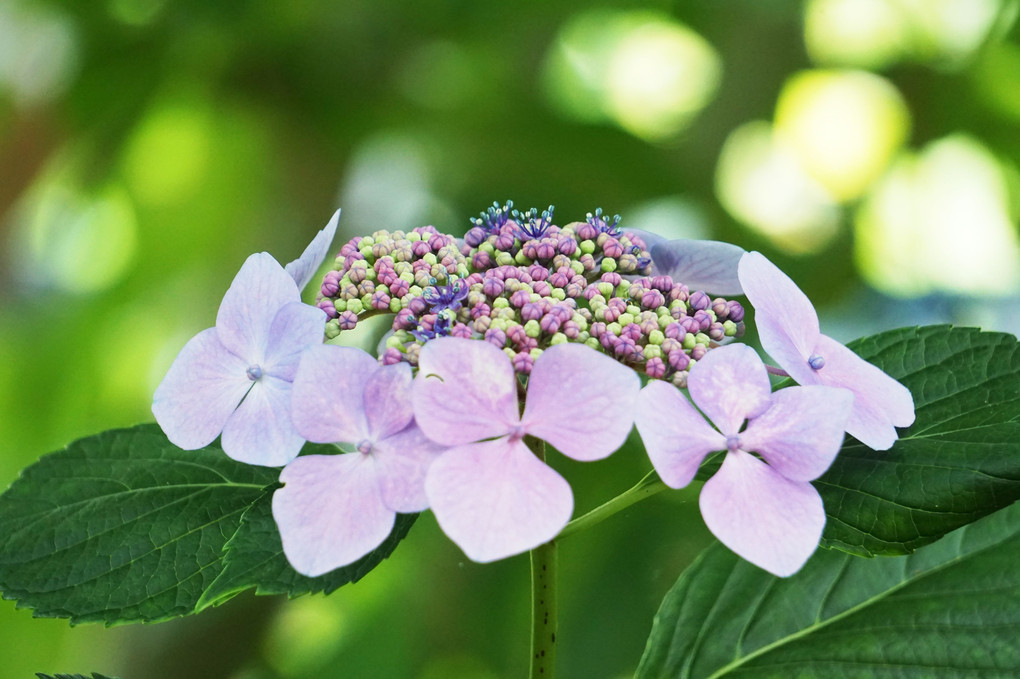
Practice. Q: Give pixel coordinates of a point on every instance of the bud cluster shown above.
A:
(523, 284)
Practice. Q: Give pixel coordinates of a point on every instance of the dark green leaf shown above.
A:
(255, 559)
(94, 675)
(952, 609)
(122, 526)
(959, 461)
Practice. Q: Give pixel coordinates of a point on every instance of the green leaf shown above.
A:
(122, 526)
(94, 675)
(255, 559)
(952, 609)
(959, 461)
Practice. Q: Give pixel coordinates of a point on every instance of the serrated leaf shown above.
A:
(959, 461)
(255, 559)
(122, 526)
(952, 609)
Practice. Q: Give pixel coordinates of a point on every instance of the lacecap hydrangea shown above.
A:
(524, 331)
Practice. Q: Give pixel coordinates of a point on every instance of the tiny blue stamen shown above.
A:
(449, 296)
(531, 226)
(816, 362)
(441, 328)
(364, 446)
(603, 224)
(732, 443)
(254, 372)
(493, 219)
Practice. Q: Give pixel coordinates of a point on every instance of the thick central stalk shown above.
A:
(543, 598)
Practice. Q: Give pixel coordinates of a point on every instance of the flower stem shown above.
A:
(543, 597)
(772, 370)
(646, 487)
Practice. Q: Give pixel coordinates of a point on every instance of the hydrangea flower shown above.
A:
(766, 509)
(708, 265)
(235, 378)
(334, 509)
(788, 328)
(489, 492)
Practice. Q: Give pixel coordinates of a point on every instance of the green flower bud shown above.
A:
(500, 303)
(623, 288)
(504, 259)
(393, 342)
(577, 267)
(608, 265)
(340, 305)
(414, 237)
(356, 305)
(500, 324)
(395, 305)
(522, 259)
(614, 328)
(730, 328)
(558, 294)
(586, 247)
(656, 337)
(532, 329)
(332, 329)
(535, 353)
(625, 319)
(689, 341)
(652, 351)
(634, 310)
(486, 246)
(557, 338)
(702, 339)
(677, 304)
(593, 343)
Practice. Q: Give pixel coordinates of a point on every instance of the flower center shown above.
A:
(517, 432)
(364, 446)
(254, 372)
(816, 362)
(732, 443)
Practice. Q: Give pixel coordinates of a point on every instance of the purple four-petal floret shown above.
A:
(760, 505)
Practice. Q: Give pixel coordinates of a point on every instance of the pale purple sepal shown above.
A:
(304, 267)
(260, 431)
(788, 329)
(295, 328)
(707, 265)
(249, 306)
(676, 436)
(598, 392)
(465, 391)
(771, 521)
(495, 499)
(801, 432)
(403, 458)
(200, 391)
(330, 512)
(329, 394)
(730, 386)
(880, 403)
(388, 400)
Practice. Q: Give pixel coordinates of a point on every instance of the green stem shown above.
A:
(646, 487)
(543, 597)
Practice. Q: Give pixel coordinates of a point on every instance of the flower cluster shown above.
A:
(494, 337)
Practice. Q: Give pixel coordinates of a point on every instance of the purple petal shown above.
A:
(880, 403)
(787, 323)
(730, 385)
(402, 460)
(675, 435)
(708, 265)
(304, 267)
(260, 431)
(330, 512)
(388, 400)
(580, 401)
(465, 391)
(800, 434)
(200, 391)
(247, 311)
(328, 398)
(496, 499)
(771, 521)
(295, 327)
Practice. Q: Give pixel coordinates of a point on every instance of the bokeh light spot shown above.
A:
(843, 125)
(861, 33)
(645, 72)
(940, 221)
(38, 52)
(167, 156)
(72, 240)
(761, 182)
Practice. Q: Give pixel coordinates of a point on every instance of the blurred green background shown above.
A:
(869, 147)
